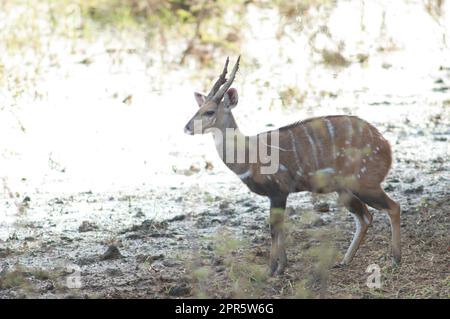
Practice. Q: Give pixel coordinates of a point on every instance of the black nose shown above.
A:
(187, 130)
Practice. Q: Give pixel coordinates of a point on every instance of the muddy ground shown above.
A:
(216, 244)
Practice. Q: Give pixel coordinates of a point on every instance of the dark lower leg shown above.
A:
(278, 259)
(394, 216)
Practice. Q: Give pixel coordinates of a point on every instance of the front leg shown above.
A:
(278, 259)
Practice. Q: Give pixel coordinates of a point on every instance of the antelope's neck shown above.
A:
(230, 142)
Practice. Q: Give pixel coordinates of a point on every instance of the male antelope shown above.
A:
(338, 153)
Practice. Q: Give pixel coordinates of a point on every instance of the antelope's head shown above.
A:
(214, 108)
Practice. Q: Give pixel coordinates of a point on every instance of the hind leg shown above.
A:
(380, 200)
(362, 221)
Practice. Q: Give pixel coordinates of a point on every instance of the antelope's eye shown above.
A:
(210, 113)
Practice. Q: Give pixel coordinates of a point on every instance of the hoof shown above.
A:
(278, 264)
(339, 265)
(396, 263)
(276, 269)
(277, 272)
(342, 264)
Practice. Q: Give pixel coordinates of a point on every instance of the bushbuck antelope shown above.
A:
(335, 153)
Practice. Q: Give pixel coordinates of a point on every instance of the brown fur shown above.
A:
(360, 154)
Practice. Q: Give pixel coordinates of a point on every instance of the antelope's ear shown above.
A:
(231, 98)
(200, 98)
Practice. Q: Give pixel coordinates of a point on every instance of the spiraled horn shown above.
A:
(221, 92)
(219, 82)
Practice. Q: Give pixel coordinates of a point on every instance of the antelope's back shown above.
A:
(336, 151)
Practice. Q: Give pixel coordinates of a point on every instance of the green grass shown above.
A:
(13, 279)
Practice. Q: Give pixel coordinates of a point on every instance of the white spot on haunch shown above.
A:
(363, 169)
(245, 175)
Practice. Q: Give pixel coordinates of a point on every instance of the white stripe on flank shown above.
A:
(275, 147)
(350, 131)
(326, 170)
(294, 148)
(313, 147)
(283, 168)
(318, 144)
(245, 175)
(370, 133)
(361, 128)
(331, 132)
